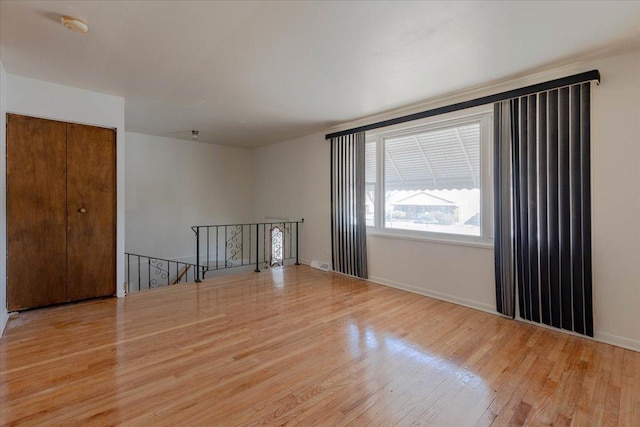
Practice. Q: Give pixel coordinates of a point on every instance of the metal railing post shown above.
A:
(139, 268)
(297, 245)
(197, 254)
(257, 270)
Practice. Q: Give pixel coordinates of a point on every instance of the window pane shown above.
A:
(432, 180)
(370, 179)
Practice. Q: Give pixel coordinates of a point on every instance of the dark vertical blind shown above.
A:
(348, 227)
(552, 207)
(503, 241)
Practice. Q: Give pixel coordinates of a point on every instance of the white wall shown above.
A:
(3, 199)
(615, 168)
(173, 184)
(300, 169)
(53, 101)
(292, 181)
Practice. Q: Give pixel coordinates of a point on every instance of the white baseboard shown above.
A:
(435, 294)
(618, 341)
(4, 318)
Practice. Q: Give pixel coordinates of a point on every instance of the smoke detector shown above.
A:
(74, 24)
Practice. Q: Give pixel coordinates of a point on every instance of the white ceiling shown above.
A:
(254, 73)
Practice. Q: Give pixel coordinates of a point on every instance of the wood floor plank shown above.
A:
(297, 346)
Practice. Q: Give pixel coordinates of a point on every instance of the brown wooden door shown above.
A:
(91, 210)
(61, 212)
(36, 212)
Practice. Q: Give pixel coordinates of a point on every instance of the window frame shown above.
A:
(482, 115)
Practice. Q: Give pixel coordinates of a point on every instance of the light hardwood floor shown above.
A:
(297, 346)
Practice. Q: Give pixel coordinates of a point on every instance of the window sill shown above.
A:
(449, 241)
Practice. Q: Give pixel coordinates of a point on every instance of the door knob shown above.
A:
(82, 210)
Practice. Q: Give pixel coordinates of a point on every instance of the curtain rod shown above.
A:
(489, 99)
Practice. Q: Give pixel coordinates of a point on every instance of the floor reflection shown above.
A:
(402, 375)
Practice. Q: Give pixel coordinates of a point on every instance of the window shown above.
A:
(431, 180)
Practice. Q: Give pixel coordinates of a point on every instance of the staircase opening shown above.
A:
(218, 247)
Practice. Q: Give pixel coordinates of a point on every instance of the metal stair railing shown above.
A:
(148, 272)
(236, 245)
